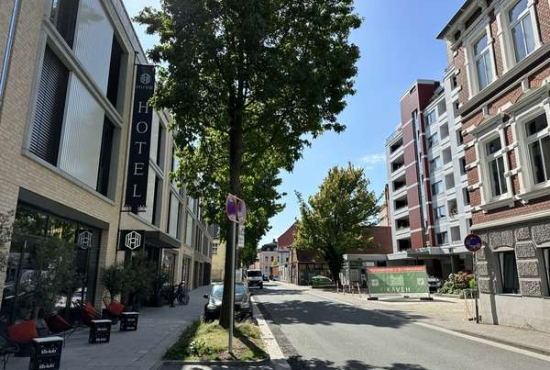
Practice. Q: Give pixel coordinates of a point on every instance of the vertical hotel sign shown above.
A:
(140, 139)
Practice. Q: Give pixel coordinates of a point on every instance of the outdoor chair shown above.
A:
(58, 325)
(88, 313)
(8, 348)
(113, 311)
(22, 334)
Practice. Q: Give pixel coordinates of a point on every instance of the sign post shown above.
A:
(236, 212)
(473, 243)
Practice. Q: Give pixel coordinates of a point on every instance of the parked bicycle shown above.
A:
(181, 295)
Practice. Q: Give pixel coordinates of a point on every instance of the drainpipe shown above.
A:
(9, 49)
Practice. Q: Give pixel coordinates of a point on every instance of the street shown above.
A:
(319, 334)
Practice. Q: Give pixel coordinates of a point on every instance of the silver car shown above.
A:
(243, 303)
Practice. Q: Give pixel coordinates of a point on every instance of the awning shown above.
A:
(159, 239)
(426, 252)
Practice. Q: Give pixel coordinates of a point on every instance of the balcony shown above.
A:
(403, 244)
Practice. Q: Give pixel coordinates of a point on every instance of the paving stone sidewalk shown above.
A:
(158, 329)
(448, 313)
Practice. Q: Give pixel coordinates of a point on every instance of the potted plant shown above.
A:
(140, 275)
(160, 281)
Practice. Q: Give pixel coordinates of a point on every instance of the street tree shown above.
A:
(249, 84)
(336, 219)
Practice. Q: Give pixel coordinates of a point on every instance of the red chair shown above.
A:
(113, 311)
(58, 325)
(89, 313)
(22, 334)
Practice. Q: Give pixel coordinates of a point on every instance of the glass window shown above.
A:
(440, 212)
(433, 140)
(431, 117)
(521, 29)
(509, 272)
(538, 142)
(498, 181)
(482, 61)
(63, 16)
(173, 221)
(437, 188)
(442, 238)
(114, 72)
(435, 164)
(546, 257)
(105, 157)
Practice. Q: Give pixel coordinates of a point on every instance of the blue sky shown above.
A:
(398, 45)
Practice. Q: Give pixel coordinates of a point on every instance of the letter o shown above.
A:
(142, 127)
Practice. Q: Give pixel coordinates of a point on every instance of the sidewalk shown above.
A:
(447, 313)
(158, 329)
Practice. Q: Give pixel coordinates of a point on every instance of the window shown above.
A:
(440, 212)
(174, 216)
(496, 168)
(521, 30)
(63, 16)
(509, 272)
(546, 257)
(114, 72)
(433, 140)
(437, 188)
(157, 200)
(189, 230)
(466, 197)
(435, 164)
(431, 117)
(482, 61)
(538, 144)
(105, 157)
(50, 104)
(459, 138)
(442, 238)
(160, 146)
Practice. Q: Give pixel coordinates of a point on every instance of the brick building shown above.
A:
(429, 212)
(499, 55)
(284, 245)
(66, 104)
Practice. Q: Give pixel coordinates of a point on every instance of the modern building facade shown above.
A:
(428, 210)
(68, 81)
(499, 55)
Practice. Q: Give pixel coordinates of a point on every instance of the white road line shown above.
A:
(506, 347)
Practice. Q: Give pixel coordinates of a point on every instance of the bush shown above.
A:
(458, 282)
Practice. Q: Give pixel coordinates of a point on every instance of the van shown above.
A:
(254, 278)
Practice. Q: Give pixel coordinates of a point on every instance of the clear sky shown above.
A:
(398, 45)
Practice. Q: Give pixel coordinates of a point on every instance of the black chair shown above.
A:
(8, 348)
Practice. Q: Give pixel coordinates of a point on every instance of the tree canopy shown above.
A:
(336, 219)
(249, 83)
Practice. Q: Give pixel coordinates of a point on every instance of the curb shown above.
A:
(265, 361)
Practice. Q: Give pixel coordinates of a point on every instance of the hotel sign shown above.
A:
(140, 139)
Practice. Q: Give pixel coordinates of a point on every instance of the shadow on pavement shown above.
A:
(298, 363)
(330, 313)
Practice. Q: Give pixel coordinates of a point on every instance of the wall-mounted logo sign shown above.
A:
(85, 239)
(140, 139)
(131, 239)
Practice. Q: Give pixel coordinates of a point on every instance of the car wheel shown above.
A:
(261, 286)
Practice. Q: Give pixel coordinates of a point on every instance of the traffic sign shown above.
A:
(240, 237)
(472, 242)
(241, 211)
(231, 207)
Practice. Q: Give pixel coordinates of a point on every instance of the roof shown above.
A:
(455, 18)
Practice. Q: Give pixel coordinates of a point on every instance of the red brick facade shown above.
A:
(475, 111)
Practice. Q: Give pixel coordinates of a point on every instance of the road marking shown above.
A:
(525, 352)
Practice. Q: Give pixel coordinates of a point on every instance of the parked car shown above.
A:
(434, 283)
(319, 280)
(243, 303)
(254, 278)
(266, 278)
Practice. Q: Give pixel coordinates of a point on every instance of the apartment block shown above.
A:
(66, 104)
(428, 210)
(499, 56)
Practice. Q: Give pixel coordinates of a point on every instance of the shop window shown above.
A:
(63, 16)
(50, 104)
(105, 157)
(509, 272)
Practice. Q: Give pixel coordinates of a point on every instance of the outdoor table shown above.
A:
(46, 353)
(129, 321)
(100, 331)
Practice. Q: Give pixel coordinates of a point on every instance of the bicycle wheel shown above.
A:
(185, 299)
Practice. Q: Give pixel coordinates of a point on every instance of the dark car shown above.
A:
(265, 278)
(243, 303)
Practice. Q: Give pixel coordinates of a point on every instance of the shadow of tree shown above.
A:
(299, 363)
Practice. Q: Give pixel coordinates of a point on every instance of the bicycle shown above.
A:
(181, 294)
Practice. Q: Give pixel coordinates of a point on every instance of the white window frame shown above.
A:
(473, 77)
(505, 32)
(528, 185)
(435, 116)
(487, 187)
(436, 161)
(438, 214)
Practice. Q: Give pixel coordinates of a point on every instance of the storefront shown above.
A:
(53, 263)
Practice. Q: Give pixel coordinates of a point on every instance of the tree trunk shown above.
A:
(235, 163)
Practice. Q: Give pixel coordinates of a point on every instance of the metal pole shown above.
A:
(232, 286)
(9, 49)
(477, 289)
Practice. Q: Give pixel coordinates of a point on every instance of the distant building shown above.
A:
(284, 245)
(218, 255)
(384, 214)
(268, 258)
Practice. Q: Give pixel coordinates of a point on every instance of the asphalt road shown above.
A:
(314, 333)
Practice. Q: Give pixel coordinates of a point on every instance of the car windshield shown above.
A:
(254, 273)
(217, 290)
